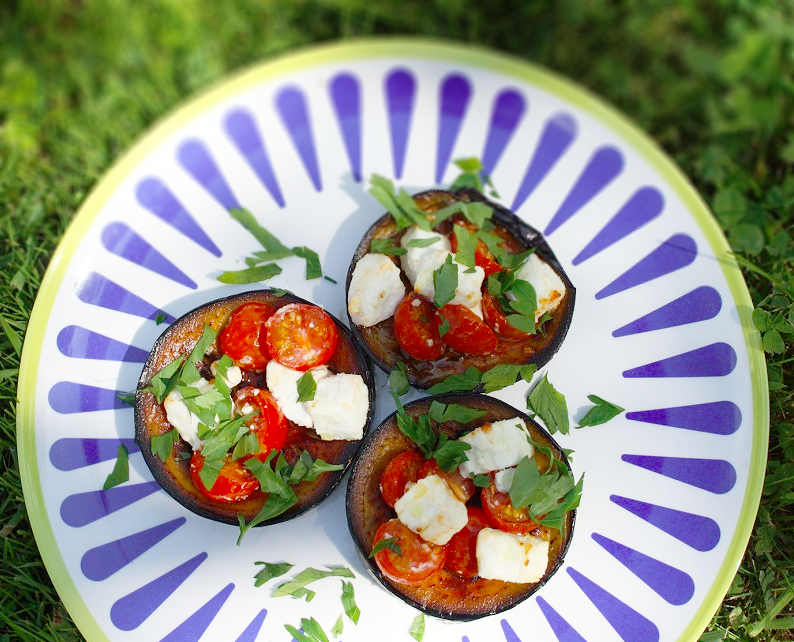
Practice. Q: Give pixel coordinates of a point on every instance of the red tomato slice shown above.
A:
(418, 560)
(270, 425)
(462, 487)
(502, 514)
(483, 257)
(467, 332)
(234, 484)
(399, 471)
(243, 338)
(301, 336)
(495, 317)
(462, 548)
(416, 330)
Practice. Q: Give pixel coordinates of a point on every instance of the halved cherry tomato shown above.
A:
(418, 559)
(243, 338)
(301, 336)
(467, 332)
(270, 425)
(483, 257)
(502, 514)
(416, 329)
(462, 548)
(495, 317)
(462, 487)
(234, 484)
(401, 470)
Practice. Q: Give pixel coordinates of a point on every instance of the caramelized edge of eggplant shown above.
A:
(373, 456)
(193, 500)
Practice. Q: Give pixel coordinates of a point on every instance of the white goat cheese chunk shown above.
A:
(178, 415)
(503, 479)
(496, 446)
(340, 407)
(511, 558)
(375, 290)
(549, 288)
(410, 260)
(431, 510)
(234, 375)
(283, 383)
(469, 289)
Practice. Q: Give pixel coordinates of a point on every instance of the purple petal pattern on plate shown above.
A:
(644, 206)
(158, 199)
(400, 90)
(80, 343)
(69, 397)
(196, 159)
(104, 293)
(701, 304)
(714, 475)
(100, 562)
(132, 610)
(716, 417)
(671, 584)
(508, 110)
(294, 112)
(630, 625)
(715, 360)
(252, 630)
(346, 99)
(557, 136)
(195, 626)
(73, 453)
(699, 532)
(120, 239)
(604, 166)
(562, 630)
(84, 508)
(675, 253)
(453, 101)
(243, 132)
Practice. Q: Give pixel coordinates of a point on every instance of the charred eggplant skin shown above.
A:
(173, 474)
(379, 340)
(445, 595)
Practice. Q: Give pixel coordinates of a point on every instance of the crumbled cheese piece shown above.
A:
(375, 290)
(496, 446)
(178, 415)
(410, 260)
(511, 558)
(431, 510)
(234, 375)
(340, 407)
(469, 289)
(503, 479)
(283, 383)
(549, 288)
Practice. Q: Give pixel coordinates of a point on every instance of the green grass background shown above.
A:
(711, 80)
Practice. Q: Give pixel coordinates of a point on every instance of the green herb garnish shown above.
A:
(401, 206)
(121, 469)
(250, 275)
(307, 386)
(349, 602)
(442, 413)
(312, 631)
(386, 246)
(270, 571)
(398, 380)
(163, 445)
(445, 282)
(504, 375)
(550, 406)
(472, 176)
(296, 587)
(464, 382)
(601, 413)
(389, 543)
(418, 628)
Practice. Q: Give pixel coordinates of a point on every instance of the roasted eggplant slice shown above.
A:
(252, 425)
(455, 588)
(395, 278)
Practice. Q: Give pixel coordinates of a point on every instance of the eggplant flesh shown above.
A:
(445, 594)
(379, 340)
(173, 474)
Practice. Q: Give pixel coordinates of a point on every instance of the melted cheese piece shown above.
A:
(549, 288)
(511, 558)
(431, 510)
(375, 290)
(340, 407)
(283, 383)
(469, 289)
(496, 446)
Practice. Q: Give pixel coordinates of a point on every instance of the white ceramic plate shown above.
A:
(662, 327)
